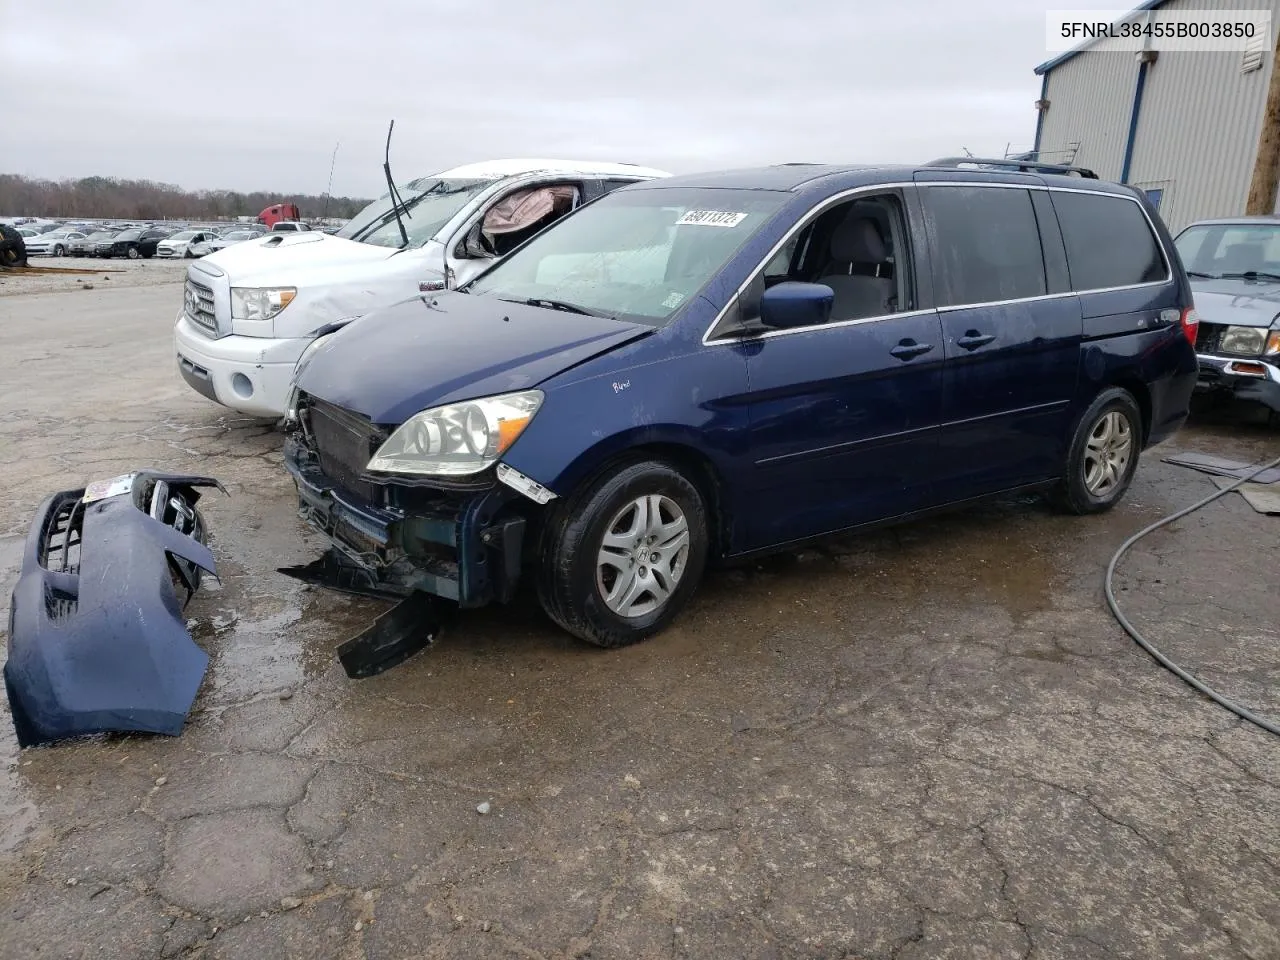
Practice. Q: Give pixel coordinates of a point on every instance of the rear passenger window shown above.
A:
(988, 244)
(1109, 241)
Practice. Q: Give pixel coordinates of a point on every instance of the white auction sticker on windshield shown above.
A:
(711, 218)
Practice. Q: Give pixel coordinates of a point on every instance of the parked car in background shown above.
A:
(715, 366)
(133, 243)
(214, 244)
(180, 244)
(252, 308)
(87, 246)
(1234, 266)
(289, 226)
(54, 243)
(28, 233)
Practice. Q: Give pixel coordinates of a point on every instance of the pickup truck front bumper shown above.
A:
(1246, 378)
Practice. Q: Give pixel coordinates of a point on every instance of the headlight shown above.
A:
(459, 439)
(1243, 341)
(1273, 341)
(260, 303)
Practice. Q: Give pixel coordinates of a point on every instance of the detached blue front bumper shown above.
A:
(97, 640)
(465, 545)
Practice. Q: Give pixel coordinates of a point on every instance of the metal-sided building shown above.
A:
(1182, 126)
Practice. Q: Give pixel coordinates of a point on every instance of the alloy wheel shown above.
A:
(1107, 453)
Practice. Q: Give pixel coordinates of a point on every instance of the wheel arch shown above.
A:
(1141, 393)
(680, 452)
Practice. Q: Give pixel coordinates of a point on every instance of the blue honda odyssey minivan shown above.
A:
(703, 368)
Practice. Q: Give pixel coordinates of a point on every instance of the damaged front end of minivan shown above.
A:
(97, 639)
(432, 545)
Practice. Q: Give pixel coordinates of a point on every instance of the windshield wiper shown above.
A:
(1251, 275)
(559, 305)
(1202, 276)
(396, 202)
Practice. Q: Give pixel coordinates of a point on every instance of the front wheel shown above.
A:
(1103, 455)
(133, 253)
(619, 560)
(59, 250)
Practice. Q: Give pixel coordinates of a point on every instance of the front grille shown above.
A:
(60, 548)
(199, 307)
(344, 442)
(1207, 337)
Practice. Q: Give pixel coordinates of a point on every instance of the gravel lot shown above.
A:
(927, 742)
(57, 274)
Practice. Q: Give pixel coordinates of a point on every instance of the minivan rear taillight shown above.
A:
(1190, 324)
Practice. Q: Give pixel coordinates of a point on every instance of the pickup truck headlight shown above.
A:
(1273, 343)
(458, 439)
(1243, 341)
(260, 303)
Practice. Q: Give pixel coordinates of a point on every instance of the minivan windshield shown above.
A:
(634, 254)
(1239, 250)
(429, 204)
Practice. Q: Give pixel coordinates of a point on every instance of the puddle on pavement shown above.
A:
(1009, 554)
(260, 642)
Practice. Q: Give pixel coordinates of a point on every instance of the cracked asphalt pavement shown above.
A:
(924, 742)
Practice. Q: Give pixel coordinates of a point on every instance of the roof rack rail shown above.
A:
(1027, 166)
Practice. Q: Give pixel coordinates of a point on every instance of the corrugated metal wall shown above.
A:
(1198, 127)
(1089, 98)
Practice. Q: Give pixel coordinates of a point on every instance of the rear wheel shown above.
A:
(619, 560)
(1103, 455)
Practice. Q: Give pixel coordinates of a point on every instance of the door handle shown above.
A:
(909, 349)
(972, 339)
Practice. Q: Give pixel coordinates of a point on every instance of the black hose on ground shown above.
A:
(1242, 712)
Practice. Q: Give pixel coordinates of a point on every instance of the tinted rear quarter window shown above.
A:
(1109, 241)
(988, 244)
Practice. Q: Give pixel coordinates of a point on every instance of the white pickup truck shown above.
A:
(250, 310)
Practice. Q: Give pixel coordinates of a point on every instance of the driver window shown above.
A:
(855, 249)
(519, 215)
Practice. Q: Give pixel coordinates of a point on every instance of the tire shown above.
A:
(1099, 466)
(59, 250)
(571, 580)
(132, 252)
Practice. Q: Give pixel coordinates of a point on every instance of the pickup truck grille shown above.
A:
(344, 442)
(1207, 337)
(199, 307)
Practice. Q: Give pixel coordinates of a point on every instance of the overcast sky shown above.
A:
(253, 94)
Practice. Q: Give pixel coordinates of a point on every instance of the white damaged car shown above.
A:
(251, 309)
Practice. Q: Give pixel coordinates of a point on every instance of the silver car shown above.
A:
(1234, 266)
(212, 245)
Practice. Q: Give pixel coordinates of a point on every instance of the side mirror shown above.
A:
(792, 304)
(473, 247)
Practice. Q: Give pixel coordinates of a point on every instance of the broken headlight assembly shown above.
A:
(458, 439)
(260, 303)
(1243, 341)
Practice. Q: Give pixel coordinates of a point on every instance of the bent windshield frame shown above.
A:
(637, 255)
(429, 204)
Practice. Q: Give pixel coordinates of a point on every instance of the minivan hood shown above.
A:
(275, 257)
(446, 347)
(1243, 303)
